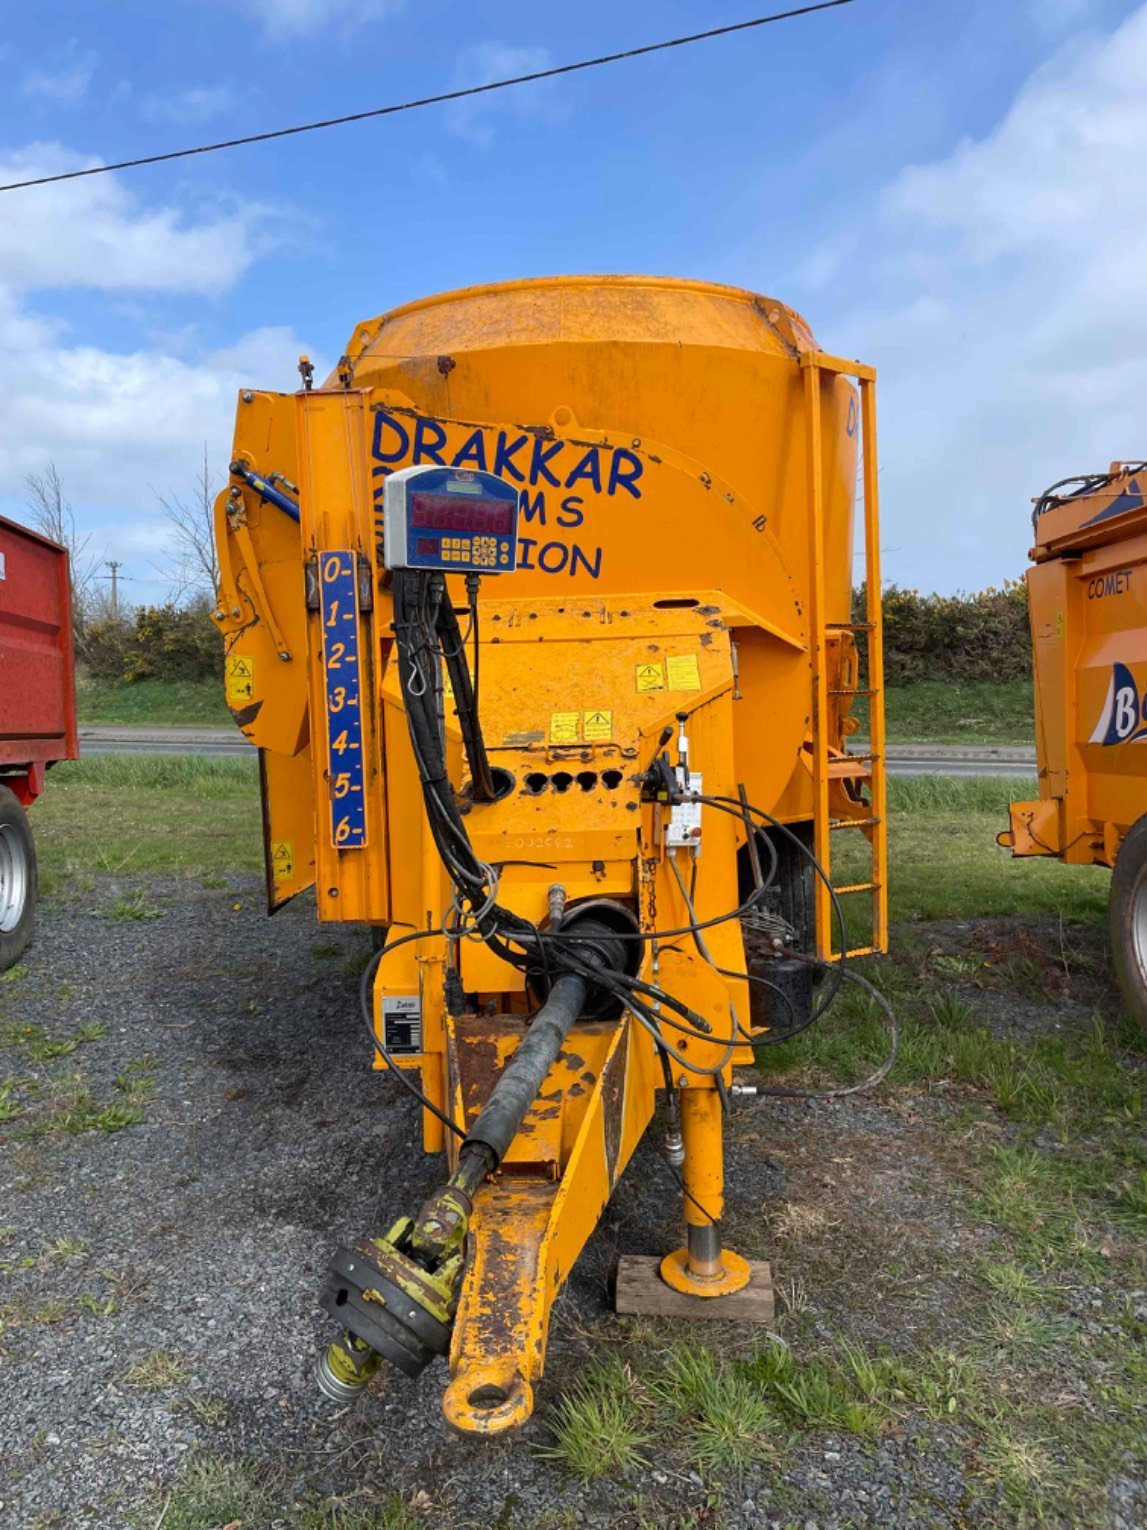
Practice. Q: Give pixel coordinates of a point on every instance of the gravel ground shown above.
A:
(269, 1141)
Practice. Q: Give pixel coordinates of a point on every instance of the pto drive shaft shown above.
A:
(396, 1296)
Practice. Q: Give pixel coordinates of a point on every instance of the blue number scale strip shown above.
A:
(342, 672)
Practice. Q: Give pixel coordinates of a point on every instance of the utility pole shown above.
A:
(115, 568)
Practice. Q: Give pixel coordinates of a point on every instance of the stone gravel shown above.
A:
(269, 1142)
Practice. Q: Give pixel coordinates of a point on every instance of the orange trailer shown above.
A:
(1088, 599)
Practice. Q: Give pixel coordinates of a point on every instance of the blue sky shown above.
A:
(951, 191)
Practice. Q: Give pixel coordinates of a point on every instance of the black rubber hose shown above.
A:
(465, 704)
(524, 1074)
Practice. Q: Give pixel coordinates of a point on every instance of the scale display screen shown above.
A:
(450, 519)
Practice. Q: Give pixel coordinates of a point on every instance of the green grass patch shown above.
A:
(212, 1492)
(1075, 1083)
(969, 712)
(151, 703)
(597, 1426)
(125, 814)
(64, 1105)
(726, 1419)
(38, 1047)
(193, 775)
(945, 864)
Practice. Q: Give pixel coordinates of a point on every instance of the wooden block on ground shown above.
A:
(641, 1289)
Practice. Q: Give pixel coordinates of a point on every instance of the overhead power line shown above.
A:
(449, 95)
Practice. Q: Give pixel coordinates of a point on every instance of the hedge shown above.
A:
(954, 637)
(926, 637)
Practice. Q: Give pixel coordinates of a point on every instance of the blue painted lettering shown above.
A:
(589, 468)
(618, 478)
(535, 510)
(386, 422)
(579, 556)
(525, 546)
(571, 508)
(472, 452)
(542, 454)
(429, 439)
(553, 557)
(504, 453)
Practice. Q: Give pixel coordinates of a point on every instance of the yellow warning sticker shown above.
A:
(564, 727)
(239, 681)
(282, 859)
(684, 672)
(650, 677)
(597, 726)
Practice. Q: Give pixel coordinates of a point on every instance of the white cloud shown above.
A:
(96, 233)
(486, 62)
(119, 424)
(194, 105)
(69, 83)
(291, 19)
(1007, 313)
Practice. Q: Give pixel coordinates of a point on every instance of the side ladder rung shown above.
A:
(850, 626)
(856, 887)
(854, 823)
(852, 693)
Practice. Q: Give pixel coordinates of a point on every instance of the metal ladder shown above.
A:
(829, 765)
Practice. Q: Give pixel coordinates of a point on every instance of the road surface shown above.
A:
(903, 759)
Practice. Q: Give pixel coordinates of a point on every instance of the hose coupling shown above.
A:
(674, 1141)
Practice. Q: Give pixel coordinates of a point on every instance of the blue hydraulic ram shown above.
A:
(265, 488)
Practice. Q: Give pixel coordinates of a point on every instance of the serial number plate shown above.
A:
(343, 678)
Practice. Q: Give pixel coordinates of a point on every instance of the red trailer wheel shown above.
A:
(17, 880)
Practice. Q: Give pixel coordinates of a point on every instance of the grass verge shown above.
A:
(125, 814)
(973, 712)
(151, 703)
(929, 712)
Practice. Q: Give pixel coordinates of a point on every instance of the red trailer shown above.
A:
(37, 710)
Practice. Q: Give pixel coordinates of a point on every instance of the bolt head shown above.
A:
(247, 396)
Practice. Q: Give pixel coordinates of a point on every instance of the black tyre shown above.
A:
(1127, 915)
(18, 880)
(782, 1000)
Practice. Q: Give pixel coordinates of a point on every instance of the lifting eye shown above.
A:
(562, 781)
(536, 782)
(611, 779)
(587, 780)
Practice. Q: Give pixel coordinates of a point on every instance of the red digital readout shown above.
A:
(442, 512)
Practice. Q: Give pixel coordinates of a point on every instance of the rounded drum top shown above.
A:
(583, 309)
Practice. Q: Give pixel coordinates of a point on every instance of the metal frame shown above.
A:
(826, 817)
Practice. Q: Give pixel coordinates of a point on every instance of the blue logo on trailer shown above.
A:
(1122, 720)
(343, 676)
(1131, 498)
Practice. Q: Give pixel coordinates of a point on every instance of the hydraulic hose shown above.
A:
(522, 1079)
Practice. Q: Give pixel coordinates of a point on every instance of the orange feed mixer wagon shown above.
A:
(1087, 593)
(539, 611)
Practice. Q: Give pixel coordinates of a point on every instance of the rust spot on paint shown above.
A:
(245, 716)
